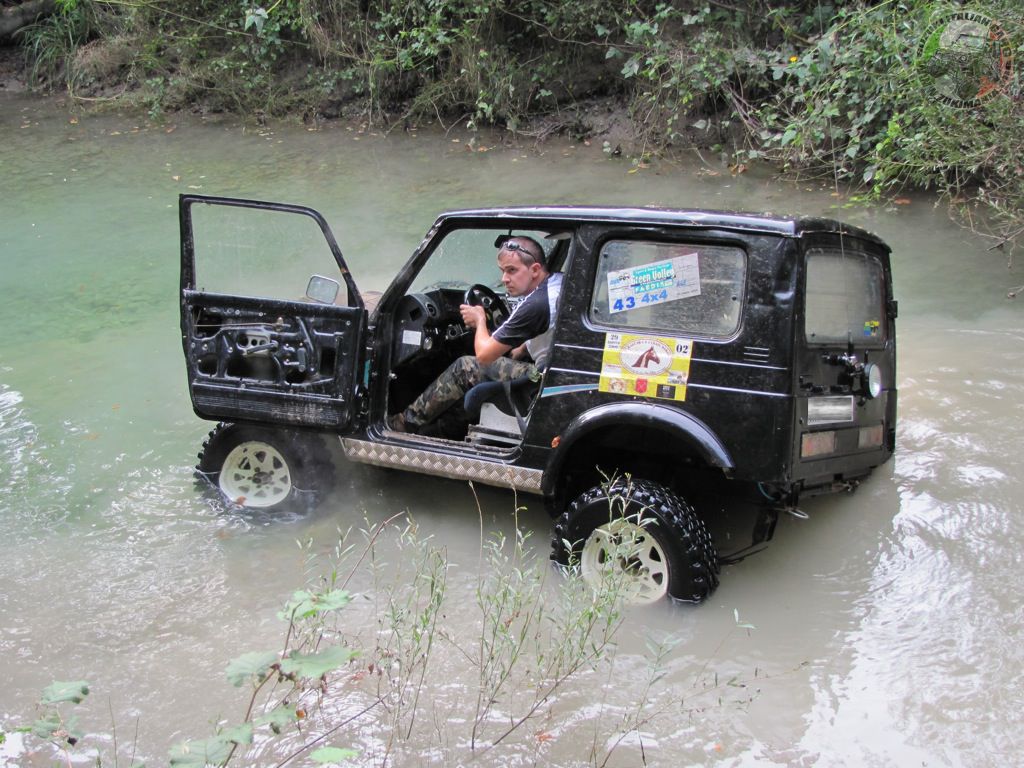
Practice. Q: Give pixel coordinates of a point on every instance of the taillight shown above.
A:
(870, 437)
(817, 444)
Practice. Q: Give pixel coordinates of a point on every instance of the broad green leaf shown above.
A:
(305, 604)
(253, 665)
(931, 46)
(317, 664)
(57, 692)
(278, 718)
(237, 734)
(46, 725)
(326, 755)
(199, 754)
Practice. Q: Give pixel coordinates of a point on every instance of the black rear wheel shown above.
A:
(264, 468)
(641, 532)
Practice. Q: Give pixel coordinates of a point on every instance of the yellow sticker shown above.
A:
(646, 366)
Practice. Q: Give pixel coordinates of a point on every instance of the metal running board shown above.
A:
(443, 465)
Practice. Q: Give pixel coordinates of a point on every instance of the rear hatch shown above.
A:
(845, 359)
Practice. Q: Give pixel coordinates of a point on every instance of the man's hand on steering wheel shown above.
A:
(479, 296)
(472, 315)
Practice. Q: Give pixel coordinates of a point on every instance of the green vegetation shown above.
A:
(878, 96)
(379, 667)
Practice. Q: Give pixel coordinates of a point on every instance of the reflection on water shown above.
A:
(886, 626)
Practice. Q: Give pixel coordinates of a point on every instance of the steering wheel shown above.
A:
(494, 306)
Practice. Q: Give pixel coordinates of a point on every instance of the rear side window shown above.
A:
(845, 298)
(691, 289)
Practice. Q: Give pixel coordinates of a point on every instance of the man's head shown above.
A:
(522, 264)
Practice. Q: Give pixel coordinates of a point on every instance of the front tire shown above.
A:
(265, 469)
(641, 532)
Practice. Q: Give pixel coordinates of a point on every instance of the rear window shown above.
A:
(845, 298)
(692, 289)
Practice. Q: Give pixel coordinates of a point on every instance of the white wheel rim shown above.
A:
(623, 550)
(255, 474)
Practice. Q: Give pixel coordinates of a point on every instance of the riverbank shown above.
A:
(879, 99)
(12, 70)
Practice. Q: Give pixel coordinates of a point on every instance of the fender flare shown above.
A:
(675, 422)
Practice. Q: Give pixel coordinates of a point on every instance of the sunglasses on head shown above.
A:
(506, 243)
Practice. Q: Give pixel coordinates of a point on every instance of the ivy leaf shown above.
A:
(317, 664)
(332, 755)
(57, 692)
(255, 17)
(613, 53)
(250, 665)
(631, 67)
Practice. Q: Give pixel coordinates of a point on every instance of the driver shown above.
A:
(517, 348)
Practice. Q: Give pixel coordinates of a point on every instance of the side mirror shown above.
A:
(322, 290)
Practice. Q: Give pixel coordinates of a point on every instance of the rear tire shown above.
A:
(266, 469)
(644, 532)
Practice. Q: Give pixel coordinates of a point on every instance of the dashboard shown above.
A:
(426, 323)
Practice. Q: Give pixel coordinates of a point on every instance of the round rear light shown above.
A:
(873, 377)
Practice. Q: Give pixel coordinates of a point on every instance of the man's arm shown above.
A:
(486, 348)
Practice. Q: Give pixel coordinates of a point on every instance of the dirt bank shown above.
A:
(12, 70)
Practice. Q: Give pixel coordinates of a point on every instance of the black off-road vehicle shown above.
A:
(697, 356)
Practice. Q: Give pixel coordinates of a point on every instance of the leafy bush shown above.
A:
(842, 91)
(860, 106)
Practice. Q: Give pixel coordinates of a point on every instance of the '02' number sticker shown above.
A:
(646, 366)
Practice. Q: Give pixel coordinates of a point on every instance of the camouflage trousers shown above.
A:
(461, 376)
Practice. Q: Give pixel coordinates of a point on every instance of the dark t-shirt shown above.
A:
(529, 319)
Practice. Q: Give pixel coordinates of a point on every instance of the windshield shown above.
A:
(468, 257)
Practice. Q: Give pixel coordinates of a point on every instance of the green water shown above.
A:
(886, 624)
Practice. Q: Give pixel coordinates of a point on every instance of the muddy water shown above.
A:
(886, 625)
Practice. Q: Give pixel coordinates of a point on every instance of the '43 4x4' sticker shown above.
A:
(648, 366)
(654, 283)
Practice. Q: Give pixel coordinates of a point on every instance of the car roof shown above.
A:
(787, 226)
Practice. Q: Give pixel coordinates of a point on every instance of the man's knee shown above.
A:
(467, 371)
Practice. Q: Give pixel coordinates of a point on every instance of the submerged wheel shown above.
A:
(642, 532)
(264, 468)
